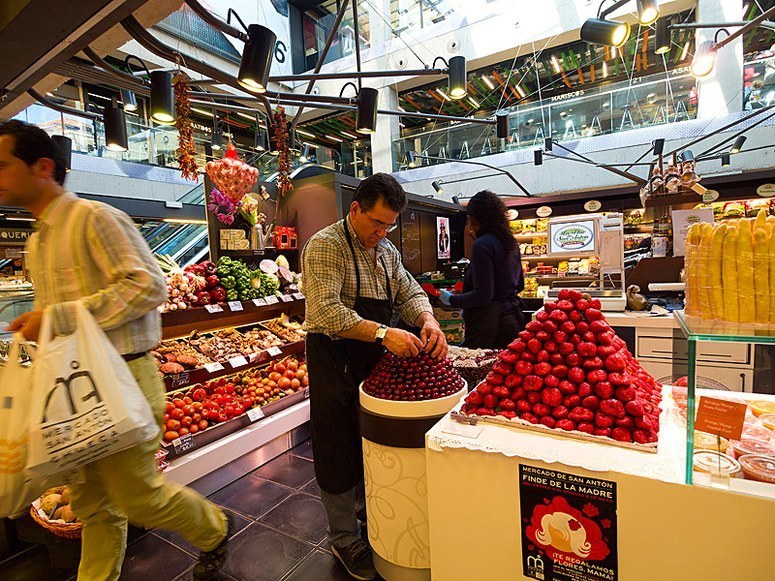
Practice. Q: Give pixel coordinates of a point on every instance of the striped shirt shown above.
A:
(85, 250)
(330, 286)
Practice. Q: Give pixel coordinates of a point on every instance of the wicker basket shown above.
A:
(60, 529)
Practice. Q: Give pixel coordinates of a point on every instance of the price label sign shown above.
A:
(286, 298)
(298, 296)
(720, 417)
(214, 308)
(238, 361)
(255, 414)
(306, 393)
(180, 379)
(274, 351)
(184, 444)
(272, 300)
(259, 302)
(213, 367)
(235, 306)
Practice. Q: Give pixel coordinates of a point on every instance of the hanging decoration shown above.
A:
(280, 142)
(186, 151)
(233, 177)
(222, 206)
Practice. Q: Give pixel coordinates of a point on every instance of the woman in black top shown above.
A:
(491, 308)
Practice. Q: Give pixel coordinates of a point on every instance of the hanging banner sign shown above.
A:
(568, 525)
(593, 205)
(766, 190)
(512, 214)
(544, 212)
(710, 196)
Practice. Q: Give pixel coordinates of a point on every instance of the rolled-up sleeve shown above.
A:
(411, 300)
(322, 278)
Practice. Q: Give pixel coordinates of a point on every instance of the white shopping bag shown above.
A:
(86, 404)
(17, 488)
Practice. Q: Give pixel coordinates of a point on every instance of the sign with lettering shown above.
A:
(180, 379)
(272, 300)
(14, 236)
(184, 444)
(259, 302)
(255, 414)
(569, 526)
(216, 308)
(235, 306)
(286, 298)
(593, 205)
(544, 212)
(720, 417)
(213, 367)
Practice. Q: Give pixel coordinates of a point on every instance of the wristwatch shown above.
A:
(380, 334)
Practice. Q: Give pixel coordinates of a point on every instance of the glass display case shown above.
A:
(745, 465)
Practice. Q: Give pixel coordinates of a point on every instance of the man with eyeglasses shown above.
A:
(354, 282)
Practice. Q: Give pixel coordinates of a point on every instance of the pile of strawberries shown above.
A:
(569, 370)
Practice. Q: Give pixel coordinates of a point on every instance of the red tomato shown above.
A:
(203, 424)
(170, 435)
(173, 425)
(186, 421)
(183, 431)
(177, 414)
(178, 403)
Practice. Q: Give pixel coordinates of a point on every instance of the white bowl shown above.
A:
(427, 408)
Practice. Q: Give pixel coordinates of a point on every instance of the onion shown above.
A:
(173, 307)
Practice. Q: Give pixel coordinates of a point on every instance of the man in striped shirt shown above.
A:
(90, 252)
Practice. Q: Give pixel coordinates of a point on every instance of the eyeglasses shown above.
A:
(388, 228)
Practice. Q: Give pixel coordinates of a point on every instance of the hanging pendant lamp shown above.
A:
(162, 98)
(257, 58)
(114, 119)
(366, 115)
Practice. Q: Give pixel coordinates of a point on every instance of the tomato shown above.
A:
(284, 383)
(199, 395)
(229, 388)
(170, 435)
(305, 381)
(177, 414)
(203, 424)
(280, 368)
(193, 428)
(169, 407)
(295, 384)
(189, 410)
(293, 365)
(196, 417)
(172, 425)
(178, 403)
(290, 374)
(183, 431)
(186, 421)
(301, 374)
(198, 406)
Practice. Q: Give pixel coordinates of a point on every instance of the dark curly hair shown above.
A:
(489, 211)
(32, 143)
(380, 186)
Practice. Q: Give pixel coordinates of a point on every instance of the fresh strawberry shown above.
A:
(527, 356)
(591, 402)
(585, 389)
(563, 295)
(551, 380)
(566, 387)
(523, 367)
(599, 326)
(525, 335)
(587, 349)
(543, 356)
(574, 295)
(534, 345)
(542, 316)
(582, 304)
(640, 436)
(634, 408)
(514, 380)
(543, 336)
(490, 401)
(551, 327)
(612, 407)
(485, 412)
(593, 363)
(576, 375)
(475, 398)
(560, 337)
(566, 424)
(501, 392)
(593, 314)
(575, 316)
(532, 383)
(644, 422)
(589, 337)
(571, 401)
(560, 371)
(484, 388)
(508, 414)
(604, 389)
(595, 304)
(596, 376)
(603, 420)
(625, 422)
(566, 348)
(550, 347)
(542, 369)
(550, 306)
(586, 427)
(524, 405)
(517, 346)
(468, 408)
(534, 326)
(541, 409)
(582, 327)
(605, 432)
(494, 378)
(581, 414)
(621, 435)
(548, 421)
(527, 416)
(575, 339)
(624, 394)
(619, 379)
(557, 359)
(573, 359)
(558, 316)
(568, 327)
(560, 412)
(508, 404)
(615, 362)
(551, 396)
(605, 351)
(502, 368)
(508, 357)
(518, 394)
(565, 305)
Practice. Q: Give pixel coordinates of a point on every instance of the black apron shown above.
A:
(336, 369)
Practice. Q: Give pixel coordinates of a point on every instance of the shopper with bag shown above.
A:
(89, 263)
(354, 280)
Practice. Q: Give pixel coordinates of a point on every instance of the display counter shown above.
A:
(660, 528)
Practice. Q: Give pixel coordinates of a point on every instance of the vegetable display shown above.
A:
(730, 270)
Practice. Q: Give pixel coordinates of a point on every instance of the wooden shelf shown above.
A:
(529, 235)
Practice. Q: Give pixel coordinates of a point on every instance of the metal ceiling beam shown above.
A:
(471, 162)
(359, 75)
(215, 21)
(61, 108)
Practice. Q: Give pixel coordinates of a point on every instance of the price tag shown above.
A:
(274, 351)
(306, 393)
(184, 444)
(272, 300)
(286, 298)
(298, 296)
(235, 306)
(720, 417)
(255, 414)
(259, 302)
(180, 379)
(238, 361)
(213, 367)
(214, 308)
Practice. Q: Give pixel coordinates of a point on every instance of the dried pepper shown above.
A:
(280, 139)
(186, 151)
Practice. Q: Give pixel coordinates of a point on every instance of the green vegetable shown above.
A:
(228, 282)
(232, 295)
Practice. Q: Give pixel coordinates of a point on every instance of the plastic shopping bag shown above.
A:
(17, 488)
(87, 404)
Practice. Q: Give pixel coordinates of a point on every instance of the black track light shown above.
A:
(217, 139)
(257, 58)
(162, 98)
(115, 128)
(725, 160)
(704, 59)
(437, 186)
(687, 155)
(502, 124)
(410, 160)
(548, 143)
(605, 32)
(538, 157)
(366, 115)
(662, 37)
(457, 77)
(658, 146)
(304, 157)
(738, 144)
(129, 99)
(648, 11)
(456, 200)
(65, 147)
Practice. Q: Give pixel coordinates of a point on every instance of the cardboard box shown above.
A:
(447, 314)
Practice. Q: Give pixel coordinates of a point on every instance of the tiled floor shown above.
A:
(280, 534)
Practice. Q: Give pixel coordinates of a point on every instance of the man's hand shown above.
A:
(28, 324)
(434, 339)
(402, 343)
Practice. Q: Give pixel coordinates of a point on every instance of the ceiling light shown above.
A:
(725, 159)
(457, 77)
(366, 114)
(488, 82)
(473, 102)
(738, 145)
(605, 70)
(20, 218)
(538, 157)
(443, 94)
(202, 112)
(305, 133)
(217, 138)
(257, 58)
(555, 64)
(246, 116)
(162, 99)
(521, 91)
(65, 147)
(115, 128)
(334, 138)
(437, 186)
(304, 157)
(648, 11)
(409, 159)
(662, 38)
(183, 221)
(351, 135)
(658, 146)
(605, 32)
(502, 124)
(704, 59)
(129, 99)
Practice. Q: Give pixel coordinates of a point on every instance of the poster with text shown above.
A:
(442, 237)
(682, 219)
(568, 526)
